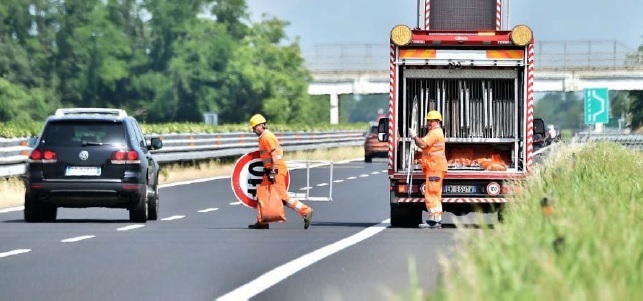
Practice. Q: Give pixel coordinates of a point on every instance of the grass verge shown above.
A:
(13, 188)
(585, 242)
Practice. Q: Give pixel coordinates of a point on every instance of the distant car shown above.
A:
(374, 148)
(92, 157)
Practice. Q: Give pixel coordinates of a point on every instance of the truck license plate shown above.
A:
(459, 189)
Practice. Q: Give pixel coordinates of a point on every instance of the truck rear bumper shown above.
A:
(455, 200)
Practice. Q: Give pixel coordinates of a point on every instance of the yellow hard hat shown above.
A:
(434, 115)
(256, 119)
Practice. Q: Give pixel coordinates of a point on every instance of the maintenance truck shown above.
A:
(480, 78)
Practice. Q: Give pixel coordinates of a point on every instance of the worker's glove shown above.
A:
(271, 175)
(412, 133)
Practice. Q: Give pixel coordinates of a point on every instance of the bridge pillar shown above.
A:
(334, 108)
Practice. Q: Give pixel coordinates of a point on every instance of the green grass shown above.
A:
(597, 195)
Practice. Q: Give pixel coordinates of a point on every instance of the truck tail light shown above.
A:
(125, 157)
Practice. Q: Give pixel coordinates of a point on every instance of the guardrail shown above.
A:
(189, 147)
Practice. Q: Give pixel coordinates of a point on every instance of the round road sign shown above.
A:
(246, 177)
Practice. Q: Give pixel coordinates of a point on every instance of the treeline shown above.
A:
(161, 60)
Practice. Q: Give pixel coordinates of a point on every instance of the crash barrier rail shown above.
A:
(192, 147)
(634, 142)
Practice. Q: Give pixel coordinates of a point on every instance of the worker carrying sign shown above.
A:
(274, 178)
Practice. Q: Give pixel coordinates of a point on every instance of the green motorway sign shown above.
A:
(597, 105)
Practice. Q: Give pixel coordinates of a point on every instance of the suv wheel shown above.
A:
(153, 206)
(36, 212)
(138, 212)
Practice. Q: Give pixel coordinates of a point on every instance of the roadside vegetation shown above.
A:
(574, 233)
(13, 188)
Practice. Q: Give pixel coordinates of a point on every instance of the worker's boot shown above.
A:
(308, 218)
(258, 225)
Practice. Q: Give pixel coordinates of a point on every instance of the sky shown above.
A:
(318, 22)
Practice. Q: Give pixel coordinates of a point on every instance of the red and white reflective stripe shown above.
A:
(455, 200)
(530, 105)
(498, 14)
(474, 200)
(391, 108)
(427, 11)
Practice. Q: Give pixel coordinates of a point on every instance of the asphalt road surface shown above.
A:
(201, 249)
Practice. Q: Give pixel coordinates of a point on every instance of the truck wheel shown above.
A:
(407, 215)
(36, 212)
(138, 212)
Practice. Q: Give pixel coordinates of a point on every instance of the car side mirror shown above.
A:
(32, 141)
(156, 143)
(539, 127)
(382, 130)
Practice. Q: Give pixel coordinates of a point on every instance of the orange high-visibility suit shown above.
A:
(434, 167)
(268, 143)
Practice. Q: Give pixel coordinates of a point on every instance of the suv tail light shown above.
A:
(42, 156)
(125, 157)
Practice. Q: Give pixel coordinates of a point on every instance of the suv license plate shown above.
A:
(459, 189)
(82, 171)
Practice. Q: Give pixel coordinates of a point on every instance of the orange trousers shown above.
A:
(280, 184)
(433, 194)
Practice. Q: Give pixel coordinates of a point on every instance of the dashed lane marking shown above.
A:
(78, 238)
(14, 252)
(375, 173)
(130, 227)
(173, 217)
(322, 184)
(363, 175)
(351, 178)
(273, 277)
(338, 181)
(305, 188)
(208, 210)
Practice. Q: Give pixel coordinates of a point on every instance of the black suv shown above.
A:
(92, 157)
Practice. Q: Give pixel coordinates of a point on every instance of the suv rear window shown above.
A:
(75, 133)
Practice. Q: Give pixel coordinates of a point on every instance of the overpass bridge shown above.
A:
(560, 66)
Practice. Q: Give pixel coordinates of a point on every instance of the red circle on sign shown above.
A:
(493, 189)
(246, 177)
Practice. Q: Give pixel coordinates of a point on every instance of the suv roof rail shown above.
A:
(104, 111)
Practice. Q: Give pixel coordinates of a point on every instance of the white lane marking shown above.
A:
(322, 184)
(208, 210)
(338, 181)
(235, 203)
(192, 181)
(286, 270)
(363, 175)
(351, 178)
(305, 188)
(375, 172)
(14, 252)
(12, 209)
(173, 217)
(384, 170)
(130, 227)
(79, 238)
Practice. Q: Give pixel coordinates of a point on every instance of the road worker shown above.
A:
(434, 166)
(275, 170)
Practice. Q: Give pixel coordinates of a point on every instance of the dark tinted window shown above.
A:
(73, 133)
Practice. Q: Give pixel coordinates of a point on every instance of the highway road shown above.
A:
(201, 249)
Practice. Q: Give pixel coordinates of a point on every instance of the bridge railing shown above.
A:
(549, 55)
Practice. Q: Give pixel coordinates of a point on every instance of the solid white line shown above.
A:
(12, 209)
(14, 252)
(338, 181)
(171, 218)
(282, 272)
(79, 238)
(322, 184)
(130, 227)
(192, 181)
(351, 178)
(208, 210)
(363, 176)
